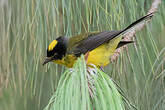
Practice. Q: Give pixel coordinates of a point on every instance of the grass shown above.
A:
(73, 90)
(26, 28)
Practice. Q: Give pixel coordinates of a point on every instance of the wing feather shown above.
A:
(93, 41)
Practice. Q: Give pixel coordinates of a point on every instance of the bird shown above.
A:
(97, 46)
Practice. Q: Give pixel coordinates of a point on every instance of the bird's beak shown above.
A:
(47, 59)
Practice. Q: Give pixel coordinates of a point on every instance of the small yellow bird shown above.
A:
(99, 46)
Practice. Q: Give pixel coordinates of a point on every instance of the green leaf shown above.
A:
(73, 90)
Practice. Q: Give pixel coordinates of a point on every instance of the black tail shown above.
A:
(137, 22)
(132, 26)
(122, 43)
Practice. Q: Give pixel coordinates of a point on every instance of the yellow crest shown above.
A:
(52, 45)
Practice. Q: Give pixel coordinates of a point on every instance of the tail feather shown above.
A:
(133, 26)
(137, 23)
(122, 43)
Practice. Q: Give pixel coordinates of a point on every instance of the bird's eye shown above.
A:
(51, 53)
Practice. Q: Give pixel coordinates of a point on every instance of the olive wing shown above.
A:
(92, 41)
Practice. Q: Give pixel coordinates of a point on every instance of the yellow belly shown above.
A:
(99, 56)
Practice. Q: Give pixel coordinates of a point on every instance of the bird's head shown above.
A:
(56, 50)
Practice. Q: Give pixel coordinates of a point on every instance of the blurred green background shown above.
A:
(28, 26)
